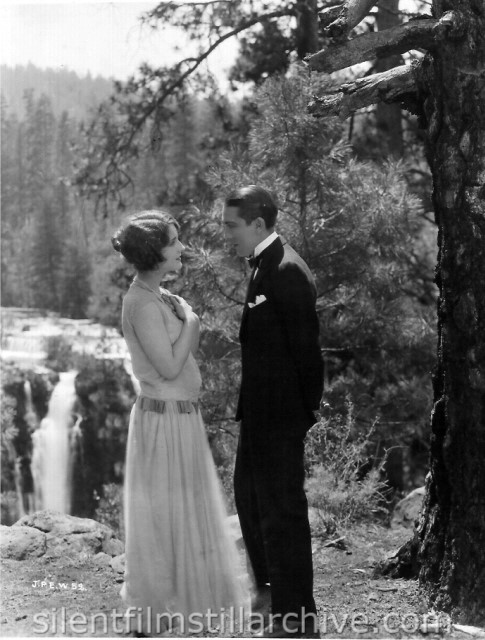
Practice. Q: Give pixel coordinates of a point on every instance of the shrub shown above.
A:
(110, 509)
(9, 508)
(9, 432)
(336, 454)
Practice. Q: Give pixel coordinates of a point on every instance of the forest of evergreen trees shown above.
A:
(359, 223)
(66, 90)
(50, 236)
(43, 244)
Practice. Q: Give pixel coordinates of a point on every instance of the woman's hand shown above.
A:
(183, 309)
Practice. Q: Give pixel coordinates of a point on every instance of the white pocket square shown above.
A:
(258, 300)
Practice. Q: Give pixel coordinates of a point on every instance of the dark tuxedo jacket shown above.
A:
(282, 367)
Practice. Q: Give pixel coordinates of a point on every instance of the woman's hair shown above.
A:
(254, 202)
(143, 237)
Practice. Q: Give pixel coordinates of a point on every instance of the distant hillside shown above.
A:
(67, 91)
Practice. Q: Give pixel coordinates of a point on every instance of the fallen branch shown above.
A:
(338, 542)
(395, 85)
(386, 588)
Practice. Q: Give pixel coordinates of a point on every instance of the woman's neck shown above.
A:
(150, 278)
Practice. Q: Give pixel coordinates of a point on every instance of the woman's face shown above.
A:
(172, 253)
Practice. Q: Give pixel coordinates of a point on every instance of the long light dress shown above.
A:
(181, 561)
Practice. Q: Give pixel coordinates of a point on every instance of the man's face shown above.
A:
(242, 236)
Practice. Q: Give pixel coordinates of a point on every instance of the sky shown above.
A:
(103, 38)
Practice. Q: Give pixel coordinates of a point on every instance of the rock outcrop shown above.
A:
(49, 533)
(407, 510)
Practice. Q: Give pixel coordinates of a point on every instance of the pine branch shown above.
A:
(136, 113)
(395, 85)
(415, 34)
(194, 62)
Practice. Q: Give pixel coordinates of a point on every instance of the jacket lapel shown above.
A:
(268, 256)
(248, 298)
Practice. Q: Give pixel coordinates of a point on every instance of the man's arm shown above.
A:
(295, 297)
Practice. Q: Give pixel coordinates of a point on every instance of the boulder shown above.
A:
(407, 510)
(74, 545)
(59, 534)
(113, 547)
(102, 559)
(62, 524)
(19, 543)
(118, 563)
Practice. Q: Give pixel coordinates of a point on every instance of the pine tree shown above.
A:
(74, 279)
(356, 225)
(45, 255)
(63, 162)
(446, 91)
(39, 149)
(10, 189)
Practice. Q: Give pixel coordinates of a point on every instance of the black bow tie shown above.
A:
(254, 261)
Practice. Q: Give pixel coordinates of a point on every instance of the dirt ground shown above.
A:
(40, 597)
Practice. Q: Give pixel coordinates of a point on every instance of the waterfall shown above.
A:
(30, 415)
(24, 347)
(51, 457)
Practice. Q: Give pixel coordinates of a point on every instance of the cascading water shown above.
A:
(30, 416)
(51, 456)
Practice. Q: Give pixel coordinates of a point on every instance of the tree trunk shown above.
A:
(452, 528)
(307, 29)
(388, 116)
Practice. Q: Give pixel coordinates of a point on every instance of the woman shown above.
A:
(180, 561)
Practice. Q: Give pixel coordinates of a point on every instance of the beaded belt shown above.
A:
(159, 406)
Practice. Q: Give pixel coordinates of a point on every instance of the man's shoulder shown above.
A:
(290, 255)
(292, 264)
(291, 277)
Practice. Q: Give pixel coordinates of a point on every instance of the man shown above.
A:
(281, 387)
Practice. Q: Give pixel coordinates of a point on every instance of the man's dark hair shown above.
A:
(254, 202)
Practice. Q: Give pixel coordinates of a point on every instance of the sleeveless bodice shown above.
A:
(186, 386)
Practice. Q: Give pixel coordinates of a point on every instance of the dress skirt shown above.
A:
(181, 561)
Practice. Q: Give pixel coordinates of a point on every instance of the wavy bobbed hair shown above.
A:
(141, 239)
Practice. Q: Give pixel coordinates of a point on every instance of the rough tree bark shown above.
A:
(452, 529)
(388, 116)
(450, 96)
(307, 32)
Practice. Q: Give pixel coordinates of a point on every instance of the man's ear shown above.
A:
(260, 224)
